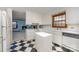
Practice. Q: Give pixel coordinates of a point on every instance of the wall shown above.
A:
(72, 18)
(47, 20)
(73, 15)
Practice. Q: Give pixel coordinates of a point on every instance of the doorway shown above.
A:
(18, 20)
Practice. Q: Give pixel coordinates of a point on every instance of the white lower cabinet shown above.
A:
(57, 37)
(29, 34)
(43, 44)
(73, 43)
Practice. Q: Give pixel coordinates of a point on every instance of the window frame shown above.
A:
(61, 21)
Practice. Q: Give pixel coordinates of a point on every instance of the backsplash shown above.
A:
(73, 26)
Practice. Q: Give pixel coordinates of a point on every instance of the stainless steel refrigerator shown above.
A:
(0, 32)
(5, 29)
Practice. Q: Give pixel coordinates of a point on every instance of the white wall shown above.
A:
(47, 20)
(72, 18)
(73, 15)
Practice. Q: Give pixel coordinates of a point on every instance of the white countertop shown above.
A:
(43, 34)
(68, 31)
(73, 32)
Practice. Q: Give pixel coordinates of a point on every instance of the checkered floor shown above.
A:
(23, 46)
(29, 46)
(58, 48)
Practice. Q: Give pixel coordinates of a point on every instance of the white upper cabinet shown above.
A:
(33, 17)
(72, 15)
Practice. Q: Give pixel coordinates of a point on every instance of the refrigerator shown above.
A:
(0, 33)
(6, 29)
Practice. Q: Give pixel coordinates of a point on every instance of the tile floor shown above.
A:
(23, 46)
(58, 48)
(29, 46)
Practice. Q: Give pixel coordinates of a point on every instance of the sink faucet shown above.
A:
(58, 28)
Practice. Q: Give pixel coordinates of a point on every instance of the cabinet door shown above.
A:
(71, 42)
(58, 38)
(55, 37)
(30, 34)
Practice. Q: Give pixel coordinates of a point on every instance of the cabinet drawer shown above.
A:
(71, 42)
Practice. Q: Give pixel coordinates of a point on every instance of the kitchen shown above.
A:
(63, 36)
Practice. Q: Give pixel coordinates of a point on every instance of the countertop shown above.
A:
(68, 31)
(43, 34)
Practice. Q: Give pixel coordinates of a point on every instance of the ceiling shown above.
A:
(41, 10)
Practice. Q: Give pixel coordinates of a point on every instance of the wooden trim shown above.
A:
(53, 21)
(59, 20)
(62, 13)
(60, 26)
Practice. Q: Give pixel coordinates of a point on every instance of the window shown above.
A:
(59, 20)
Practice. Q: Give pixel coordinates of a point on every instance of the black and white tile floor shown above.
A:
(58, 48)
(29, 46)
(23, 46)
